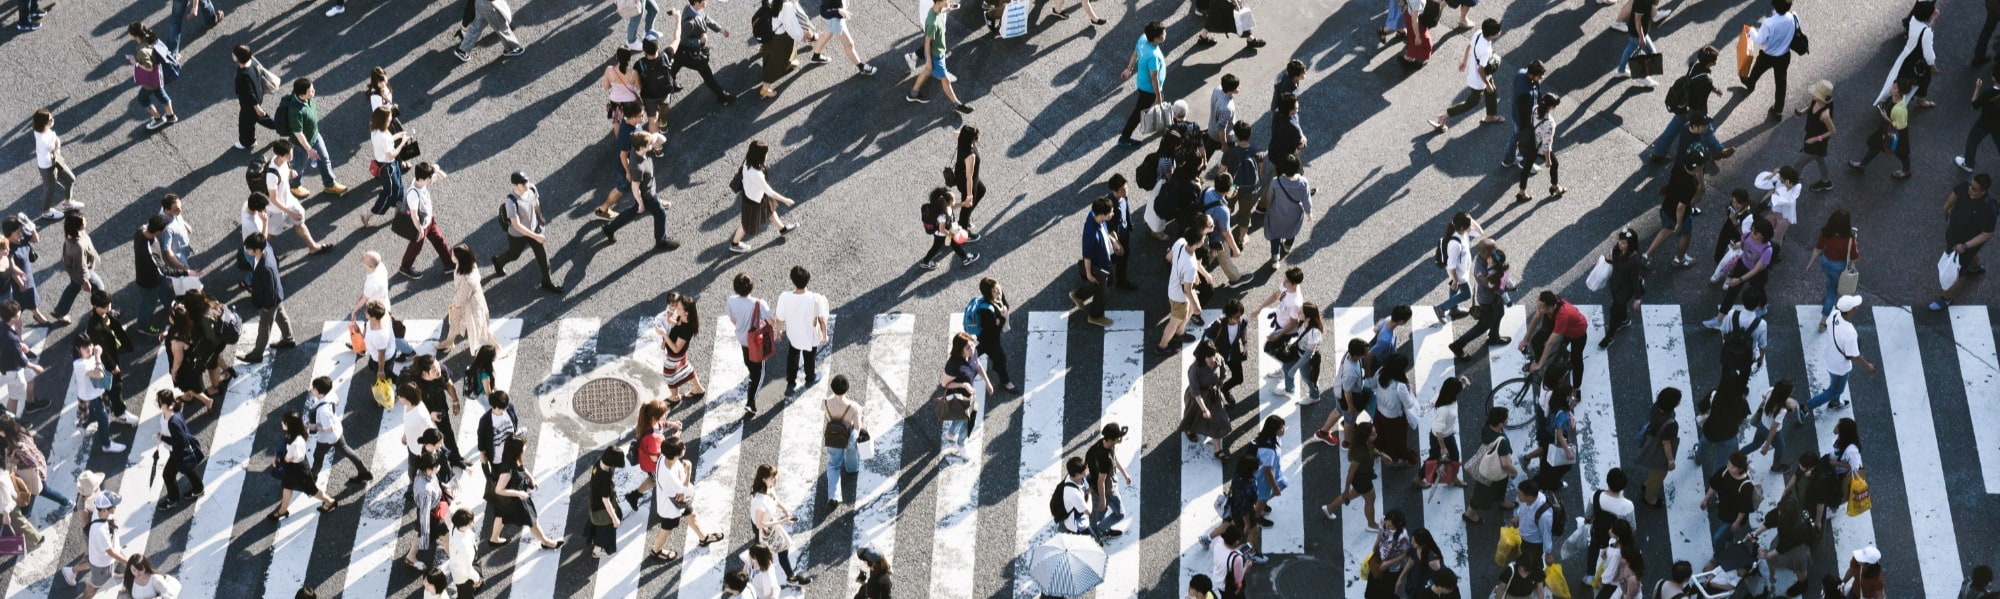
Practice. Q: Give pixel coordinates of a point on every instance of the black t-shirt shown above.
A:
(1987, 100)
(1732, 495)
(1699, 89)
(1101, 462)
(437, 395)
(1969, 216)
(682, 333)
(601, 488)
(1682, 188)
(1642, 11)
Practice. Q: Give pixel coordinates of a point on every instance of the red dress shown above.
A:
(1416, 38)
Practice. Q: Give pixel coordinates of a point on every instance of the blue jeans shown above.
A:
(324, 164)
(391, 193)
(1452, 301)
(1101, 520)
(1632, 46)
(1778, 454)
(1292, 367)
(1833, 390)
(1395, 19)
(954, 433)
(50, 492)
(1676, 130)
(179, 20)
(1722, 534)
(1832, 269)
(648, 12)
(100, 415)
(163, 301)
(839, 460)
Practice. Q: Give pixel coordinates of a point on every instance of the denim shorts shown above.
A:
(151, 95)
(1667, 222)
(937, 68)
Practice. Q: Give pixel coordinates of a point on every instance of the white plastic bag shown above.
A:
(1947, 270)
(1014, 20)
(1722, 267)
(1245, 20)
(864, 446)
(1599, 275)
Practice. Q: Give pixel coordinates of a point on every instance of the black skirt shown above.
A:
(1221, 17)
(299, 477)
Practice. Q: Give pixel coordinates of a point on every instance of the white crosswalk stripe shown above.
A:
(892, 387)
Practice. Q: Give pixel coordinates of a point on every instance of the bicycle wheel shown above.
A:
(1517, 395)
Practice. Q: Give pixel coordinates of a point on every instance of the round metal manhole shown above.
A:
(605, 401)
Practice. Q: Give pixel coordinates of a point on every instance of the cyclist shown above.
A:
(1556, 322)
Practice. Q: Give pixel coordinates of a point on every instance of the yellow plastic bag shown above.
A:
(1558, 584)
(385, 393)
(1858, 502)
(1368, 565)
(1510, 546)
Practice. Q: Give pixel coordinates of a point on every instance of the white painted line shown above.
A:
(954, 546)
(291, 548)
(1667, 363)
(230, 454)
(1443, 504)
(1041, 416)
(1979, 367)
(1202, 477)
(800, 453)
(1125, 350)
(618, 575)
(1924, 489)
(1505, 362)
(1848, 533)
(69, 454)
(379, 533)
(1355, 540)
(876, 490)
(1596, 421)
(715, 471)
(136, 513)
(535, 573)
(470, 488)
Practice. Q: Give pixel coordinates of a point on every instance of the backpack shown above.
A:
(1687, 591)
(1148, 175)
(929, 216)
(229, 327)
(1442, 256)
(1739, 349)
(763, 22)
(1235, 566)
(1242, 165)
(1057, 511)
(1561, 516)
(972, 310)
(657, 81)
(255, 175)
(1678, 95)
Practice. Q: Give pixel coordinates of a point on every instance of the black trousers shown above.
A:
(1571, 346)
(938, 244)
(700, 68)
(1487, 322)
(465, 17)
(1140, 102)
(756, 375)
(515, 245)
(792, 356)
(996, 357)
(176, 468)
(1617, 313)
(246, 126)
(1473, 98)
(340, 450)
(1527, 166)
(1767, 62)
(1094, 295)
(1986, 31)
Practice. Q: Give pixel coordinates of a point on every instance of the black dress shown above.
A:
(298, 476)
(1221, 17)
(519, 510)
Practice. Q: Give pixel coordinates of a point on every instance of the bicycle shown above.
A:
(1519, 396)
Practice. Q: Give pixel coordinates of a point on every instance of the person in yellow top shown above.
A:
(1893, 134)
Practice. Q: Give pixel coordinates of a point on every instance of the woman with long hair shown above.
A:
(1538, 140)
(652, 430)
(760, 200)
(1892, 134)
(296, 469)
(143, 581)
(1425, 561)
(425, 494)
(384, 147)
(621, 85)
(1360, 480)
(1205, 415)
(1836, 250)
(1769, 421)
(876, 582)
(605, 515)
(1444, 434)
(966, 177)
(1847, 452)
(1310, 332)
(469, 315)
(944, 230)
(1393, 553)
(513, 500)
(790, 28)
(771, 519)
(194, 349)
(678, 327)
(26, 460)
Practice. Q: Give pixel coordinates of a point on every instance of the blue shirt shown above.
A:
(1774, 35)
(11, 356)
(1218, 211)
(1151, 61)
(25, 267)
(1096, 246)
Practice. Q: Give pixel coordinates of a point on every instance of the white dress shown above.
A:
(469, 314)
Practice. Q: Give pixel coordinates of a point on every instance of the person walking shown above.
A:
(1205, 411)
(1305, 334)
(692, 50)
(790, 28)
(461, 558)
(1917, 61)
(1693, 122)
(673, 501)
(102, 551)
(1839, 355)
(678, 327)
(944, 230)
(385, 147)
(1416, 30)
(1443, 453)
(253, 84)
(1393, 552)
(1291, 206)
(1271, 479)
(150, 271)
(1835, 251)
(149, 73)
(1819, 128)
(440, 397)
(185, 455)
(1455, 255)
(296, 473)
(1751, 268)
(1626, 283)
(935, 51)
(1537, 143)
(301, 110)
(1985, 98)
(1638, 26)
(836, 14)
(1095, 268)
(838, 436)
(605, 515)
(57, 178)
(1360, 477)
(1775, 36)
(1231, 339)
(638, 13)
(1221, 238)
(1107, 508)
(267, 292)
(1892, 133)
(656, 81)
(79, 260)
(1479, 64)
(966, 177)
(497, 15)
(748, 312)
(760, 200)
(1769, 424)
(1185, 274)
(1220, 19)
(426, 496)
(26, 462)
(468, 315)
(985, 318)
(512, 498)
(1147, 70)
(1394, 400)
(525, 230)
(90, 380)
(1969, 214)
(183, 13)
(323, 420)
(1527, 93)
(801, 316)
(281, 192)
(770, 519)
(422, 212)
(1484, 496)
(1781, 205)
(959, 388)
(645, 194)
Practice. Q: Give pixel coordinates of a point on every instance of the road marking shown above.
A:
(954, 545)
(535, 573)
(69, 455)
(877, 498)
(470, 488)
(619, 573)
(1442, 503)
(379, 532)
(1041, 416)
(229, 460)
(1124, 403)
(1202, 479)
(1979, 368)
(1849, 533)
(1596, 421)
(1356, 541)
(135, 526)
(1506, 362)
(721, 451)
(1667, 363)
(1924, 489)
(800, 451)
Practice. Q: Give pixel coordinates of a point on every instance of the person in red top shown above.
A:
(653, 428)
(1556, 322)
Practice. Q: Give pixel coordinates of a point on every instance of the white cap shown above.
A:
(1869, 554)
(1847, 303)
(106, 500)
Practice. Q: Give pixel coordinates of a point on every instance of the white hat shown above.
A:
(1847, 303)
(1869, 554)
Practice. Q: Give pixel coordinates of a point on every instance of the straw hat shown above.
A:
(1822, 90)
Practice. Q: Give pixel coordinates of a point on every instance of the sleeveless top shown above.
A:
(1814, 128)
(622, 91)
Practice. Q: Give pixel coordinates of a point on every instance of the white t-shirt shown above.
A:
(419, 199)
(762, 508)
(1617, 506)
(463, 542)
(666, 484)
(79, 379)
(1218, 570)
(1852, 456)
(1841, 343)
(1479, 52)
(415, 421)
(754, 184)
(45, 147)
(1183, 272)
(382, 145)
(248, 222)
(1076, 506)
(324, 414)
(277, 179)
(375, 287)
(1392, 401)
(797, 311)
(160, 586)
(1291, 307)
(296, 450)
(101, 542)
(381, 342)
(762, 581)
(1309, 340)
(1444, 421)
(1458, 257)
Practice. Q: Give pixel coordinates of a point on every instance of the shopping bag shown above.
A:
(1245, 20)
(864, 446)
(1510, 547)
(1858, 501)
(1576, 543)
(1722, 266)
(910, 58)
(1850, 277)
(1746, 52)
(385, 392)
(356, 340)
(1558, 584)
(1647, 64)
(1155, 118)
(1014, 19)
(1599, 275)
(1368, 565)
(1947, 270)
(12, 542)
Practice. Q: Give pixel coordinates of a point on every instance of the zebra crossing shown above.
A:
(1931, 490)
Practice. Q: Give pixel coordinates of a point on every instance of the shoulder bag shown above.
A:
(1850, 277)
(761, 341)
(1485, 467)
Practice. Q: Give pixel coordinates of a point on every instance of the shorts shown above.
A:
(662, 522)
(102, 577)
(836, 26)
(938, 70)
(150, 95)
(1362, 485)
(653, 105)
(14, 384)
(1667, 222)
(1967, 262)
(1180, 310)
(1461, 3)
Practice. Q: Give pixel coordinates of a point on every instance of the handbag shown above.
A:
(12, 542)
(762, 340)
(356, 340)
(1850, 277)
(1485, 466)
(1369, 564)
(1647, 64)
(777, 539)
(864, 445)
(404, 225)
(411, 150)
(1014, 19)
(384, 391)
(1245, 20)
(1858, 501)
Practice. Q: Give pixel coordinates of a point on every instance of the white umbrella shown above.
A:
(1069, 565)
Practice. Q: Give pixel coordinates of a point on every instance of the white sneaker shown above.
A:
(52, 214)
(1960, 161)
(69, 575)
(68, 205)
(1621, 26)
(1621, 73)
(1662, 13)
(336, 10)
(238, 145)
(128, 419)
(1648, 83)
(115, 447)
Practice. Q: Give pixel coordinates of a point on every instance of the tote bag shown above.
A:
(1850, 277)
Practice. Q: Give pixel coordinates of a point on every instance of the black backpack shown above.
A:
(1557, 521)
(1441, 257)
(657, 80)
(1678, 95)
(1149, 172)
(1739, 345)
(763, 22)
(929, 216)
(1057, 511)
(255, 175)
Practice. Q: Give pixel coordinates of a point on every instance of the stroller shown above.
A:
(1735, 573)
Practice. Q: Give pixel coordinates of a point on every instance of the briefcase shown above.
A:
(1647, 65)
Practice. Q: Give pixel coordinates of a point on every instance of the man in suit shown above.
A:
(267, 292)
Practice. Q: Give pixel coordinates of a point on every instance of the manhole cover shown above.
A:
(605, 401)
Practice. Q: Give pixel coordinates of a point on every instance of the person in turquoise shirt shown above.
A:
(934, 54)
(1149, 63)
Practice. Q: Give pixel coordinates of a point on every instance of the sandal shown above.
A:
(327, 508)
(1471, 519)
(665, 555)
(556, 545)
(711, 539)
(1557, 191)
